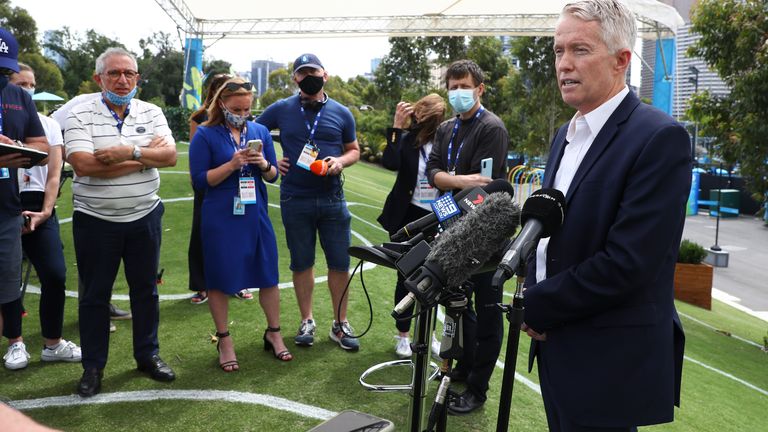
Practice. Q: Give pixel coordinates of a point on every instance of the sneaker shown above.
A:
(66, 351)
(112, 327)
(341, 335)
(17, 356)
(116, 313)
(306, 334)
(403, 347)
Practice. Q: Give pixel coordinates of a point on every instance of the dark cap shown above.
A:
(9, 51)
(307, 60)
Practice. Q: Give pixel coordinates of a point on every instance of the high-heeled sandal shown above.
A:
(282, 355)
(228, 366)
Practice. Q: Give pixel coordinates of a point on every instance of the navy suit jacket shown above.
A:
(614, 347)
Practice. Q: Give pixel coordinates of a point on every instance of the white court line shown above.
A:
(195, 395)
(686, 316)
(735, 302)
(727, 375)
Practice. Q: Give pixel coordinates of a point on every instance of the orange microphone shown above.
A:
(319, 167)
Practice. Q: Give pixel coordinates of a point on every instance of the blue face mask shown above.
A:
(462, 100)
(118, 100)
(235, 120)
(4, 79)
(30, 91)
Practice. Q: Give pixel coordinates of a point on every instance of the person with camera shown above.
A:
(230, 158)
(409, 143)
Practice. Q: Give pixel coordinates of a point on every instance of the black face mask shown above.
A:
(4, 80)
(311, 84)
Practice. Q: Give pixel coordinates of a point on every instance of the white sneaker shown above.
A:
(66, 351)
(403, 347)
(17, 356)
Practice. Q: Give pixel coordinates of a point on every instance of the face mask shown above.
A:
(235, 120)
(30, 91)
(118, 100)
(311, 84)
(462, 100)
(4, 79)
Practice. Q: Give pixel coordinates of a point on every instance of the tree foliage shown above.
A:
(734, 42)
(47, 73)
(162, 70)
(23, 27)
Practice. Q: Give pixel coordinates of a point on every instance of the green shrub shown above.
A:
(178, 121)
(691, 253)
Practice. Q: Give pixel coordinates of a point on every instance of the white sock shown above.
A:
(53, 347)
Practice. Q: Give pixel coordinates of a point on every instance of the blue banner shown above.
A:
(693, 196)
(193, 74)
(663, 74)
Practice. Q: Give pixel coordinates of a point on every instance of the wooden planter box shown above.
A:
(693, 284)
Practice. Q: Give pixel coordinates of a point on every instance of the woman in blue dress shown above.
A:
(239, 246)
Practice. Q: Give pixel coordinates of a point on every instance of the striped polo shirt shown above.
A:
(91, 126)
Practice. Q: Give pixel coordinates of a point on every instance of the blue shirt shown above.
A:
(335, 128)
(20, 121)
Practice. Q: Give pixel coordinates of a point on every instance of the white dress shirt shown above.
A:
(582, 131)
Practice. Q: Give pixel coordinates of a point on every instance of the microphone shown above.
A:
(462, 249)
(543, 214)
(319, 168)
(467, 200)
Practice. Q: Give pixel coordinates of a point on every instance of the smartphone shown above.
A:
(486, 167)
(255, 145)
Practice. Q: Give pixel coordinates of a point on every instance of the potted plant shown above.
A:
(693, 278)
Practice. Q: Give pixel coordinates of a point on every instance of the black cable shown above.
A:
(370, 305)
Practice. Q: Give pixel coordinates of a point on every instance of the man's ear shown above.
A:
(623, 60)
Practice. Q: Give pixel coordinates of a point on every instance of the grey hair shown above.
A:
(25, 67)
(617, 22)
(114, 51)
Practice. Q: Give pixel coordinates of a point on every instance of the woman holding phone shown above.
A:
(239, 246)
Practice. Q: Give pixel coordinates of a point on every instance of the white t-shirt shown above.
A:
(34, 179)
(91, 126)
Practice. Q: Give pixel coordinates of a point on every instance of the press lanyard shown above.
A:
(453, 135)
(245, 170)
(313, 128)
(425, 157)
(117, 117)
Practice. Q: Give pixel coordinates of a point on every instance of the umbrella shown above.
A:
(45, 97)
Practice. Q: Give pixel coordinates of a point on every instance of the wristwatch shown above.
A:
(136, 152)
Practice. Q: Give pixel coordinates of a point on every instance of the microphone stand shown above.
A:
(514, 312)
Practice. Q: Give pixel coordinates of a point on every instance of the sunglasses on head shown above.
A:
(234, 86)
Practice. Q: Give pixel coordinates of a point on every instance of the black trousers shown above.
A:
(414, 212)
(195, 252)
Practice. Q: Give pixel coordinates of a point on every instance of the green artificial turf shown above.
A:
(325, 376)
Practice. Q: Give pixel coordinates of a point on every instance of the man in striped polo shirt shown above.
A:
(115, 144)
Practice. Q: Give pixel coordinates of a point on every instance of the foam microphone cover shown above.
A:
(462, 249)
(319, 167)
(548, 207)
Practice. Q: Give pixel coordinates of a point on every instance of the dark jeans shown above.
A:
(100, 246)
(195, 251)
(414, 212)
(483, 334)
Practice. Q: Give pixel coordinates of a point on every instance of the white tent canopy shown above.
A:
(338, 18)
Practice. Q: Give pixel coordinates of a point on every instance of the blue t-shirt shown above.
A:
(20, 121)
(335, 128)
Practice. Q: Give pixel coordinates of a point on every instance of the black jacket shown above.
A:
(401, 155)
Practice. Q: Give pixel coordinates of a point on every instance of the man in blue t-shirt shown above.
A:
(19, 126)
(314, 127)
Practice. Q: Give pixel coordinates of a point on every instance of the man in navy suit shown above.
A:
(599, 299)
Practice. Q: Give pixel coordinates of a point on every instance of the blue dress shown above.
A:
(239, 251)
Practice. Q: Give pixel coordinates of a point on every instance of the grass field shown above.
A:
(324, 378)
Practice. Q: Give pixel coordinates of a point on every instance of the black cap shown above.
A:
(307, 60)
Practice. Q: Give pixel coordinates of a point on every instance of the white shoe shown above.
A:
(17, 356)
(435, 347)
(403, 347)
(66, 351)
(112, 327)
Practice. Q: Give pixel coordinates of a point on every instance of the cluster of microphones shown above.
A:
(467, 233)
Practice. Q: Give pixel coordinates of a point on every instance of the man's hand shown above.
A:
(334, 165)
(541, 337)
(158, 141)
(283, 165)
(14, 160)
(114, 154)
(34, 221)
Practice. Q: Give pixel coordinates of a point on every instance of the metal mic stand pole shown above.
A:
(451, 347)
(514, 313)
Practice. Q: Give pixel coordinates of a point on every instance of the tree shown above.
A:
(280, 86)
(162, 70)
(405, 67)
(79, 54)
(734, 42)
(47, 74)
(23, 27)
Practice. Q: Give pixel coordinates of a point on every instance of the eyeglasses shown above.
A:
(114, 75)
(231, 86)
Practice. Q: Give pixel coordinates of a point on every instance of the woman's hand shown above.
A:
(403, 112)
(241, 158)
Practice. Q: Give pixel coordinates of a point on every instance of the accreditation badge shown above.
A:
(238, 209)
(5, 173)
(307, 156)
(247, 190)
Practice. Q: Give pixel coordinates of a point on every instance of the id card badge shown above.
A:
(307, 156)
(247, 190)
(5, 173)
(238, 209)
(453, 173)
(427, 193)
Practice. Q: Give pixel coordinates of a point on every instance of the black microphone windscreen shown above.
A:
(475, 238)
(500, 185)
(548, 207)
